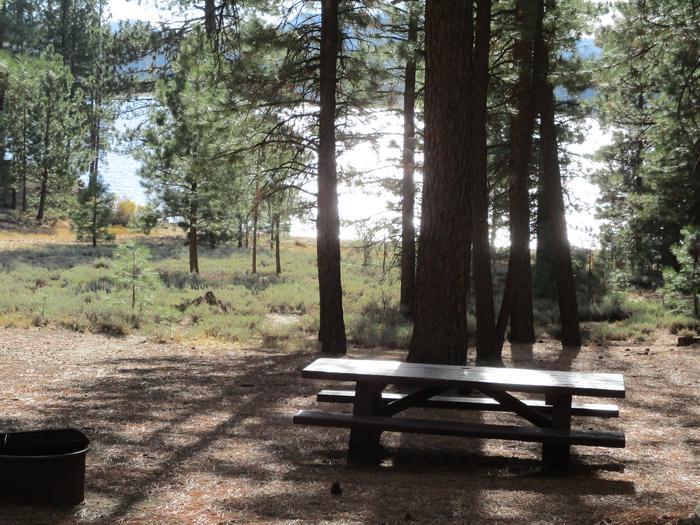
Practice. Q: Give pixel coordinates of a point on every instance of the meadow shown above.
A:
(70, 285)
(48, 279)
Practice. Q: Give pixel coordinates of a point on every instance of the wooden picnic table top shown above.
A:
(502, 379)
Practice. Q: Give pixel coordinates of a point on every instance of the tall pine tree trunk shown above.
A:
(24, 159)
(278, 259)
(3, 17)
(194, 255)
(332, 326)
(544, 285)
(43, 192)
(254, 268)
(210, 19)
(486, 348)
(518, 297)
(408, 187)
(551, 184)
(440, 326)
(94, 174)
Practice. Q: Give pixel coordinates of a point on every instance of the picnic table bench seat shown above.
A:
(603, 410)
(449, 428)
(549, 419)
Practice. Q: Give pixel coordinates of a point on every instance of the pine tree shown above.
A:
(94, 213)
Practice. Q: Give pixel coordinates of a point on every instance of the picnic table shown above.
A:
(547, 421)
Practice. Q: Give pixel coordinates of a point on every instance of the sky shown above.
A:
(356, 204)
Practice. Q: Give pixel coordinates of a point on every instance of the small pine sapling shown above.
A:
(134, 274)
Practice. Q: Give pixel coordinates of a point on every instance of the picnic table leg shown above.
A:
(364, 445)
(556, 455)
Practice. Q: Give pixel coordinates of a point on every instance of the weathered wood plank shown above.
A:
(508, 379)
(364, 447)
(448, 428)
(557, 455)
(474, 403)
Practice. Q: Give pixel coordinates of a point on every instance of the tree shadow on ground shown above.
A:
(214, 433)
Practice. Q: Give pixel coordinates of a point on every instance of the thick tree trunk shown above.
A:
(210, 19)
(408, 187)
(440, 326)
(544, 285)
(332, 326)
(486, 348)
(519, 269)
(551, 184)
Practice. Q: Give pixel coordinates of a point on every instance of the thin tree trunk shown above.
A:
(440, 326)
(43, 192)
(194, 256)
(408, 187)
(239, 240)
(332, 326)
(254, 268)
(133, 280)
(24, 160)
(278, 259)
(486, 348)
(94, 174)
(520, 297)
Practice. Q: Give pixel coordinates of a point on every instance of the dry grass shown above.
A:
(202, 434)
(61, 233)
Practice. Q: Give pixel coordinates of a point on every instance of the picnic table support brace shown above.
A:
(514, 404)
(364, 448)
(556, 455)
(410, 400)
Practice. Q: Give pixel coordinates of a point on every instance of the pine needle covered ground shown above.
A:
(203, 434)
(197, 429)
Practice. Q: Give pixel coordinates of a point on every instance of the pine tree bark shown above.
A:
(486, 348)
(408, 186)
(3, 16)
(278, 259)
(193, 251)
(519, 298)
(24, 160)
(254, 263)
(553, 196)
(332, 326)
(544, 286)
(210, 19)
(43, 191)
(440, 326)
(239, 240)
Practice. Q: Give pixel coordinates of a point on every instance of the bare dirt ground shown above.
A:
(190, 434)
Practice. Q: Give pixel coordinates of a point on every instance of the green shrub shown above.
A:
(612, 307)
(380, 323)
